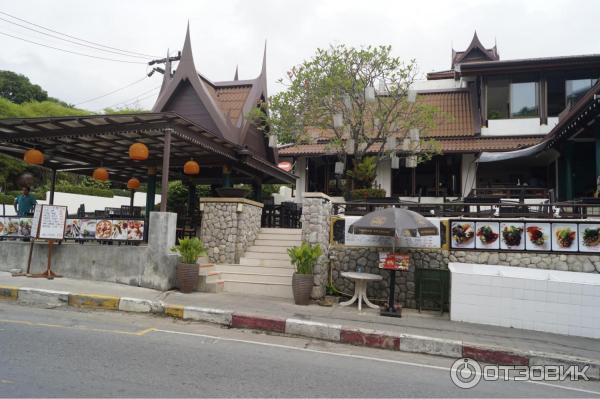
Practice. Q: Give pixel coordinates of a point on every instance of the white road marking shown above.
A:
(376, 359)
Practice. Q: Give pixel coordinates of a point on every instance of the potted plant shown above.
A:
(189, 250)
(304, 258)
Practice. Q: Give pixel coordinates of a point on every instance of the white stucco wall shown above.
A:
(468, 171)
(517, 127)
(300, 171)
(384, 176)
(438, 84)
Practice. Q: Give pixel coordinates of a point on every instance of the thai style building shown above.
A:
(490, 106)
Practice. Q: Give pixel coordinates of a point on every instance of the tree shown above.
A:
(18, 89)
(335, 94)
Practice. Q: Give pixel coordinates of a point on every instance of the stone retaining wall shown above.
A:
(344, 258)
(229, 226)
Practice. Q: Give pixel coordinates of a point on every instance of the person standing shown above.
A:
(25, 202)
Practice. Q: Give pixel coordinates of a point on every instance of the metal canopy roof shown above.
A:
(81, 143)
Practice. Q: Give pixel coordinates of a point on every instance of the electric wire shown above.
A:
(71, 41)
(72, 52)
(112, 92)
(76, 38)
(136, 98)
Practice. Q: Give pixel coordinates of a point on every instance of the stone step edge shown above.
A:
(228, 280)
(303, 328)
(225, 273)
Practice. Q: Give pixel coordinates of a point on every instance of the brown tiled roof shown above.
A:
(453, 145)
(455, 117)
(230, 99)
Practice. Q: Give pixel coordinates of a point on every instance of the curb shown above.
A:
(303, 328)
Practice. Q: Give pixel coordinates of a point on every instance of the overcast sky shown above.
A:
(226, 33)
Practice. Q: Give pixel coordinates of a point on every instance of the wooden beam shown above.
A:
(165, 168)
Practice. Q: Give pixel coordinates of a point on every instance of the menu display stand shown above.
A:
(394, 263)
(48, 224)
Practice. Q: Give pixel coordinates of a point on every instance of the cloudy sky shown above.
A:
(226, 33)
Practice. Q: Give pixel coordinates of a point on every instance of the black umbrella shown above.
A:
(393, 222)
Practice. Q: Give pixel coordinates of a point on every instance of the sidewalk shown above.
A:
(415, 332)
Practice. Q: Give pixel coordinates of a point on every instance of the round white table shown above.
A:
(360, 288)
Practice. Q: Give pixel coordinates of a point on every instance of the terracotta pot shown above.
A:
(187, 277)
(302, 285)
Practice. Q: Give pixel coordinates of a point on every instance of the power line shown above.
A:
(136, 98)
(112, 92)
(76, 38)
(71, 41)
(73, 52)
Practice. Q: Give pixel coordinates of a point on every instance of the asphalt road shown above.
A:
(71, 353)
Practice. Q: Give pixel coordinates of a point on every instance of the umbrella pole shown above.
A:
(391, 309)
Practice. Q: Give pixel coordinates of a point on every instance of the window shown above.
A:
(506, 99)
(575, 89)
(497, 99)
(523, 100)
(556, 96)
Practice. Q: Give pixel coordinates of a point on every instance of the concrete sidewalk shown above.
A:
(435, 330)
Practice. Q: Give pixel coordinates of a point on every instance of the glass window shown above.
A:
(497, 99)
(575, 89)
(523, 99)
(556, 96)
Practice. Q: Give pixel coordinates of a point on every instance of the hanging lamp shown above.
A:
(138, 152)
(33, 157)
(133, 184)
(100, 174)
(191, 168)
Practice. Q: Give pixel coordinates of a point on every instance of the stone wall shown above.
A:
(344, 258)
(316, 220)
(150, 266)
(229, 226)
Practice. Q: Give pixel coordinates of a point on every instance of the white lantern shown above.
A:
(414, 134)
(272, 141)
(347, 101)
(369, 94)
(338, 120)
(349, 146)
(395, 161)
(411, 96)
(406, 145)
(339, 168)
(391, 143)
(411, 161)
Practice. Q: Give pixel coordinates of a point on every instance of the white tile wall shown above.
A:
(543, 300)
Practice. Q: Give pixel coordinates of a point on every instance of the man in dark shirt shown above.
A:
(25, 202)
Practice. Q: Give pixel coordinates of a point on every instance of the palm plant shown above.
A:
(190, 249)
(304, 257)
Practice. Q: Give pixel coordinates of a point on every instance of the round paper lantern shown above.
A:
(100, 174)
(133, 184)
(33, 157)
(138, 152)
(191, 168)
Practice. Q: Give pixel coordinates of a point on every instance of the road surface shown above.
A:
(67, 352)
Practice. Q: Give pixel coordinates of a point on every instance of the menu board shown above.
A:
(564, 237)
(512, 235)
(538, 236)
(589, 237)
(35, 222)
(52, 222)
(463, 234)
(488, 235)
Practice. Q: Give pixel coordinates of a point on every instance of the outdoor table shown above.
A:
(360, 288)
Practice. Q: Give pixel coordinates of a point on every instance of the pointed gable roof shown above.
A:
(475, 52)
(220, 107)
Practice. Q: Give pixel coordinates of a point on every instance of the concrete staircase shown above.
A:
(265, 268)
(210, 279)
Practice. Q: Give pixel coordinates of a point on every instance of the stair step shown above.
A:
(267, 249)
(266, 255)
(277, 243)
(257, 278)
(279, 237)
(283, 263)
(212, 287)
(205, 270)
(280, 231)
(278, 271)
(261, 289)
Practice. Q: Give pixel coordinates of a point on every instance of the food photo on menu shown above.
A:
(487, 235)
(135, 229)
(463, 234)
(538, 236)
(564, 237)
(3, 227)
(88, 229)
(104, 230)
(589, 237)
(512, 235)
(13, 228)
(73, 228)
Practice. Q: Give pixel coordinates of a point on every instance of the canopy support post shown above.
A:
(52, 187)
(165, 170)
(597, 142)
(150, 198)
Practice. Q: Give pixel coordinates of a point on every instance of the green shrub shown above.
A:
(189, 249)
(304, 257)
(365, 193)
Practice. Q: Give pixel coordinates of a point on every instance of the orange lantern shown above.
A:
(191, 168)
(33, 157)
(100, 174)
(138, 152)
(133, 184)
(226, 169)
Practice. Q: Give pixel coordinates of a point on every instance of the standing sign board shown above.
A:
(52, 222)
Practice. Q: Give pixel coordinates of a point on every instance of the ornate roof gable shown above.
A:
(475, 52)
